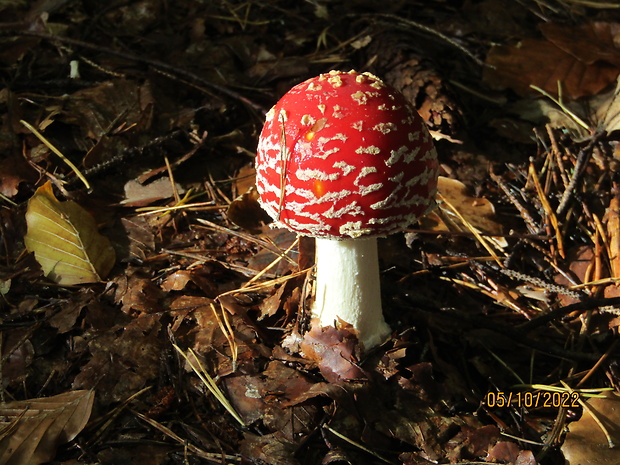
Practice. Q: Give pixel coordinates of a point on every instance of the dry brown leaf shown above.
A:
(478, 212)
(586, 443)
(246, 212)
(19, 355)
(122, 360)
(31, 430)
(65, 241)
(503, 452)
(140, 235)
(606, 109)
(334, 350)
(588, 43)
(584, 60)
(270, 448)
(138, 195)
(177, 280)
(15, 170)
(121, 102)
(601, 111)
(244, 180)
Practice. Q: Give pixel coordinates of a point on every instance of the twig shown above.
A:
(582, 158)
(469, 226)
(159, 65)
(228, 332)
(529, 221)
(428, 30)
(517, 335)
(127, 154)
(555, 288)
(584, 305)
(548, 210)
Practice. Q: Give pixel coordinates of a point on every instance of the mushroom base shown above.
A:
(348, 288)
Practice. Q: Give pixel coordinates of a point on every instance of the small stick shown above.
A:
(159, 65)
(548, 211)
(582, 159)
(529, 221)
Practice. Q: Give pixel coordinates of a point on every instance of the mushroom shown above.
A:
(344, 158)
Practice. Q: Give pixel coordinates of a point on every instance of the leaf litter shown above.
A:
(509, 286)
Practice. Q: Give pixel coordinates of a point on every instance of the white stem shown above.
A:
(347, 287)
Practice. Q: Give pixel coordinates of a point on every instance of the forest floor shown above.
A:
(144, 115)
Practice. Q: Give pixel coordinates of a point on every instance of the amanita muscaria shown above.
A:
(343, 157)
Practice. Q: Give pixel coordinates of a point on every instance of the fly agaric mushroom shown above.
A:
(345, 158)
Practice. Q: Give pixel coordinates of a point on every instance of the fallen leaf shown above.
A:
(586, 443)
(478, 212)
(111, 104)
(65, 317)
(246, 212)
(503, 451)
(566, 55)
(177, 280)
(334, 350)
(601, 111)
(138, 195)
(606, 108)
(588, 43)
(268, 448)
(526, 457)
(65, 241)
(244, 180)
(31, 430)
(15, 171)
(122, 360)
(246, 394)
(140, 235)
(17, 363)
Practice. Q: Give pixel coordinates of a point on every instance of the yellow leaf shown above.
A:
(65, 241)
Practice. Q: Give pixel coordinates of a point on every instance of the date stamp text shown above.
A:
(531, 399)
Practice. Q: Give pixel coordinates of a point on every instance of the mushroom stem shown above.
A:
(347, 287)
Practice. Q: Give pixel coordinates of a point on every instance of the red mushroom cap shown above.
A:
(343, 155)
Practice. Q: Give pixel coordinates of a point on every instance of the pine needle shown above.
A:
(209, 382)
(210, 456)
(471, 228)
(356, 444)
(50, 146)
(548, 210)
(228, 333)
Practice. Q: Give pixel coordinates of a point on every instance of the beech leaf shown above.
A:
(65, 241)
(31, 430)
